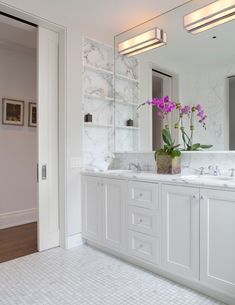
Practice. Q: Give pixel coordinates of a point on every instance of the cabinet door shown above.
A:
(180, 230)
(113, 199)
(91, 208)
(218, 239)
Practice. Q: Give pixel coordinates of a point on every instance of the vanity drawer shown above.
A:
(143, 194)
(144, 220)
(143, 246)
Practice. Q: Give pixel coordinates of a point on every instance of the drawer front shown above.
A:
(143, 246)
(143, 194)
(144, 220)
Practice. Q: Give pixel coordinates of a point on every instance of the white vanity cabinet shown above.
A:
(103, 211)
(143, 221)
(217, 239)
(113, 213)
(91, 208)
(180, 230)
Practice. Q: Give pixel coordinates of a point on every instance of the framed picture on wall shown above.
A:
(12, 112)
(32, 115)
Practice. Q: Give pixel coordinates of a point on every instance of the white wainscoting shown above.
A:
(17, 218)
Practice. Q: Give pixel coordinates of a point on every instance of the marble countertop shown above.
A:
(224, 182)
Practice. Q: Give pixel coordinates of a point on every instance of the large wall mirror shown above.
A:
(189, 68)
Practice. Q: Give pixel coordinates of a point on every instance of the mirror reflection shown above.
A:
(189, 57)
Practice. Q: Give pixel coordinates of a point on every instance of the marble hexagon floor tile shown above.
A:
(85, 276)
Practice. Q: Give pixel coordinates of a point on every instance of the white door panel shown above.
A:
(48, 226)
(180, 230)
(113, 213)
(218, 239)
(91, 208)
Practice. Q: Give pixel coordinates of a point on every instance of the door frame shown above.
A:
(62, 108)
(174, 93)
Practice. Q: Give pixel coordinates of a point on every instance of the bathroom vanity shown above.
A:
(181, 227)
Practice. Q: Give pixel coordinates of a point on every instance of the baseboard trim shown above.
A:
(74, 241)
(17, 218)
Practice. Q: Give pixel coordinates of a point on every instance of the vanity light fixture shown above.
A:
(141, 43)
(212, 15)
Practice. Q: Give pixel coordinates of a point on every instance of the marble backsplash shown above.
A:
(190, 163)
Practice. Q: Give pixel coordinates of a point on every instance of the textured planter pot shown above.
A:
(167, 165)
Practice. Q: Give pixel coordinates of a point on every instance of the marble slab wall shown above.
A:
(126, 101)
(98, 55)
(191, 162)
(98, 100)
(112, 99)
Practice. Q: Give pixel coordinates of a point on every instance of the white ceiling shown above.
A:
(101, 18)
(187, 49)
(115, 16)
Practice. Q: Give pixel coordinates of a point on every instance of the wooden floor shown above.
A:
(18, 241)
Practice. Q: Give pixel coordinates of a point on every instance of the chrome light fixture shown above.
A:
(141, 43)
(212, 15)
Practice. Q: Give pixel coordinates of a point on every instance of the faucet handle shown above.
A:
(201, 170)
(232, 170)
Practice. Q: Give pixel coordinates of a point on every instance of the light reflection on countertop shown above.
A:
(203, 180)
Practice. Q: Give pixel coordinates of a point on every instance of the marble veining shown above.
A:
(124, 113)
(126, 92)
(102, 111)
(98, 55)
(127, 66)
(98, 83)
(98, 139)
(126, 139)
(190, 163)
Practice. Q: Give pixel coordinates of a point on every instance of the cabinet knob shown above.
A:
(194, 197)
(140, 195)
(140, 220)
(202, 197)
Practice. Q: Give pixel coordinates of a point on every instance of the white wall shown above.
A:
(18, 145)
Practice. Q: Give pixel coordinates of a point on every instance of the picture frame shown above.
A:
(12, 112)
(32, 115)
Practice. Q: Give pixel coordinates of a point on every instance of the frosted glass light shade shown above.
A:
(212, 15)
(151, 39)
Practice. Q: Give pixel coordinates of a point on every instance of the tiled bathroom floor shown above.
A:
(85, 276)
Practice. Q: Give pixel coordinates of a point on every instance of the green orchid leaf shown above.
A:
(206, 146)
(196, 146)
(167, 137)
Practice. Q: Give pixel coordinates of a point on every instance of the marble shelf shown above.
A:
(127, 127)
(98, 97)
(87, 124)
(126, 78)
(98, 70)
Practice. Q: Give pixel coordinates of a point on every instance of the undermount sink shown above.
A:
(207, 177)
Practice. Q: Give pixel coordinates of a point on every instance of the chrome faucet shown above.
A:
(136, 166)
(232, 172)
(214, 170)
(201, 171)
